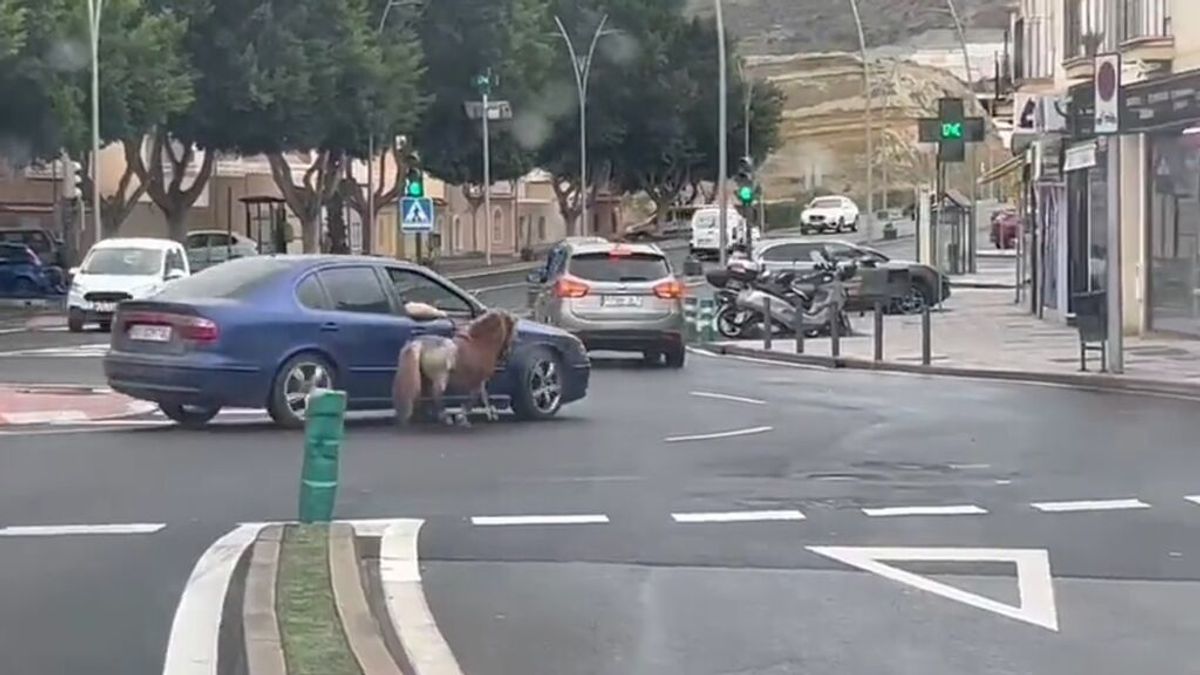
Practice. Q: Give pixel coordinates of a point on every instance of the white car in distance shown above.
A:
(829, 214)
(119, 269)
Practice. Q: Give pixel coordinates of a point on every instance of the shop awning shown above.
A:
(1007, 168)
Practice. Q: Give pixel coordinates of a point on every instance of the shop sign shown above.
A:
(1161, 103)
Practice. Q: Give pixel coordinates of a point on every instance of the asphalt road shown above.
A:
(637, 590)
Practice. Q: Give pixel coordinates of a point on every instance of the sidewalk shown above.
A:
(981, 333)
(32, 405)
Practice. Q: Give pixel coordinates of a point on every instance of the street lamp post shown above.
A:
(973, 226)
(95, 9)
(582, 68)
(369, 225)
(862, 46)
(722, 137)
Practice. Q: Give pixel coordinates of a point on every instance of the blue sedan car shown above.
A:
(265, 331)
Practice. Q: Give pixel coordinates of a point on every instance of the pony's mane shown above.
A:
(493, 325)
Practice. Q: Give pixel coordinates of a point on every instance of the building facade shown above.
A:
(1071, 188)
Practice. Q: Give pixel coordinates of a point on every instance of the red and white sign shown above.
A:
(1108, 93)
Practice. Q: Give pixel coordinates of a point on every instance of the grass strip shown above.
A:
(313, 640)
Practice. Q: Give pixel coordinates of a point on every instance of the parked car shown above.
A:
(121, 269)
(24, 275)
(1006, 227)
(206, 248)
(48, 248)
(829, 214)
(619, 297)
(802, 254)
(263, 332)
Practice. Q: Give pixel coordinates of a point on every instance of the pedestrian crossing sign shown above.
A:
(416, 214)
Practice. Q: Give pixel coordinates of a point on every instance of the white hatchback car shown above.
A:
(121, 269)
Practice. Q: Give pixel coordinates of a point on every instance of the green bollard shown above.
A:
(324, 430)
(690, 322)
(708, 331)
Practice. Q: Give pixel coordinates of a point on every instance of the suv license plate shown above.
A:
(621, 301)
(106, 307)
(144, 333)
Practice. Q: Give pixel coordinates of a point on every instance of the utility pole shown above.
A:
(95, 11)
(973, 224)
(862, 46)
(722, 138)
(582, 68)
(487, 177)
(1108, 87)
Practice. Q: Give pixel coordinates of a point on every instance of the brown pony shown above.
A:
(463, 363)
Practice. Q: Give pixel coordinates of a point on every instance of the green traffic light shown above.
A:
(746, 194)
(416, 189)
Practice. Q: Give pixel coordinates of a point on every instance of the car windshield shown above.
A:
(234, 279)
(124, 261)
(616, 268)
(826, 204)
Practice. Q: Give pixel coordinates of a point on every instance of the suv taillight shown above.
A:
(567, 287)
(669, 290)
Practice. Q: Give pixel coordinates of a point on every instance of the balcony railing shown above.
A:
(1085, 29)
(1033, 49)
(1145, 19)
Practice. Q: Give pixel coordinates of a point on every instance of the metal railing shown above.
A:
(1085, 29)
(1145, 19)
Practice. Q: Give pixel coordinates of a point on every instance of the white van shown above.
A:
(122, 268)
(706, 231)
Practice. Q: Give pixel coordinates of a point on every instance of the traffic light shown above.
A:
(746, 189)
(414, 183)
(72, 178)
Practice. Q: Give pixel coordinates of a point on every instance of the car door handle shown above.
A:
(330, 327)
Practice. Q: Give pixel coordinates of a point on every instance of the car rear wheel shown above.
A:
(189, 416)
(540, 395)
(915, 300)
(299, 377)
(676, 356)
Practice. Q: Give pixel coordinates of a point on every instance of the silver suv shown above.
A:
(613, 296)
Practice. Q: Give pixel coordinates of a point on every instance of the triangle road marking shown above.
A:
(1034, 582)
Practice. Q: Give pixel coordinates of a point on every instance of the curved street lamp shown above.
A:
(862, 46)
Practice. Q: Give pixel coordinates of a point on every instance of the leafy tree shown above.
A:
(12, 29)
(462, 39)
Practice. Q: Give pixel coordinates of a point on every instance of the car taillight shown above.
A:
(196, 329)
(669, 290)
(570, 288)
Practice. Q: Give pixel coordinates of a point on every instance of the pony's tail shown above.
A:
(406, 387)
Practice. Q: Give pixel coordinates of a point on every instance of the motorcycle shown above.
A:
(819, 297)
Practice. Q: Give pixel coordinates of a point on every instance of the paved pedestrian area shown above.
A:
(28, 405)
(982, 329)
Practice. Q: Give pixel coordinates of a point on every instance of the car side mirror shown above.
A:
(174, 275)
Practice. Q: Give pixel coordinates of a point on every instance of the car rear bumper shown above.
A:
(631, 340)
(172, 380)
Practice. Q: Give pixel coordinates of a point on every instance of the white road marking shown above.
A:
(1194, 500)
(44, 417)
(737, 516)
(958, 510)
(192, 647)
(581, 519)
(720, 434)
(1034, 582)
(727, 397)
(70, 530)
(400, 577)
(72, 352)
(1090, 505)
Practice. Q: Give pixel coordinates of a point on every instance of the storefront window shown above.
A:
(1098, 225)
(1175, 233)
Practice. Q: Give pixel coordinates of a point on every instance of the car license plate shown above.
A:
(144, 333)
(105, 307)
(621, 301)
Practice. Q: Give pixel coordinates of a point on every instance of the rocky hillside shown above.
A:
(824, 145)
(795, 26)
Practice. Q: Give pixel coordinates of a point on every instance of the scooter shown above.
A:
(819, 297)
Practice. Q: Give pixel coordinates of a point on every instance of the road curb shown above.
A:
(260, 624)
(363, 632)
(1114, 383)
(62, 412)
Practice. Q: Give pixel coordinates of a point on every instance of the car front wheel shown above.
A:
(189, 416)
(540, 394)
(299, 377)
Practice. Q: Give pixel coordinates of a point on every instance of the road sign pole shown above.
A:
(487, 183)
